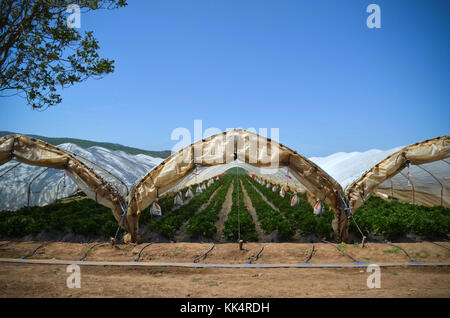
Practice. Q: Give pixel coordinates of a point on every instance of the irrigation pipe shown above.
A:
(32, 253)
(255, 258)
(404, 251)
(4, 244)
(203, 256)
(340, 250)
(420, 241)
(310, 254)
(448, 249)
(204, 265)
(89, 249)
(136, 259)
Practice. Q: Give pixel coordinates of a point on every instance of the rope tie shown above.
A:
(122, 216)
(348, 207)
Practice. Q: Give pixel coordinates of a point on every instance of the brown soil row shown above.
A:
(24, 280)
(252, 211)
(229, 253)
(264, 198)
(181, 233)
(223, 214)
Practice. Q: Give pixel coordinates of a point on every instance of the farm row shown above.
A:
(255, 207)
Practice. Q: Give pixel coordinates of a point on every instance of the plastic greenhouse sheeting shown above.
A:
(25, 185)
(418, 173)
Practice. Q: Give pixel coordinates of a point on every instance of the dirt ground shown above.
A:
(25, 280)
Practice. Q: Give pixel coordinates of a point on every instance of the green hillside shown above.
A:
(89, 143)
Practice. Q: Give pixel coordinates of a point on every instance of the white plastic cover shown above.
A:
(25, 185)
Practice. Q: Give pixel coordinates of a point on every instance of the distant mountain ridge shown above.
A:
(89, 143)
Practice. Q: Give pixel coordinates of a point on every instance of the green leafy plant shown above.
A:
(392, 251)
(40, 52)
(299, 217)
(392, 219)
(170, 223)
(204, 222)
(269, 219)
(79, 217)
(239, 220)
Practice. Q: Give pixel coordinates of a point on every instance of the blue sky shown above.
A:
(310, 68)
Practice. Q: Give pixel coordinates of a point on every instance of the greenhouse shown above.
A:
(418, 174)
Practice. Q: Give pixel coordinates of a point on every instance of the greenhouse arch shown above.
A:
(225, 148)
(432, 152)
(96, 182)
(425, 162)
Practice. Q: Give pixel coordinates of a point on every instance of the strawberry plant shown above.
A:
(392, 219)
(269, 219)
(239, 219)
(79, 217)
(203, 224)
(169, 224)
(299, 217)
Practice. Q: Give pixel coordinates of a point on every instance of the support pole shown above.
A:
(340, 226)
(131, 226)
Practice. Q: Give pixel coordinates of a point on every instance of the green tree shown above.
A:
(40, 51)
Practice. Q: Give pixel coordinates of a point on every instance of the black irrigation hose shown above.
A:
(205, 254)
(255, 258)
(340, 250)
(89, 249)
(139, 254)
(310, 254)
(420, 241)
(448, 249)
(4, 244)
(32, 253)
(404, 251)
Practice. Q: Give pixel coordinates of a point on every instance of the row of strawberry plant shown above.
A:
(203, 224)
(392, 219)
(85, 217)
(269, 219)
(168, 225)
(239, 219)
(166, 203)
(167, 206)
(300, 216)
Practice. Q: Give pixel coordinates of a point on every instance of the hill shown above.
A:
(89, 143)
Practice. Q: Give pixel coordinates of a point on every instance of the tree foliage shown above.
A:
(39, 52)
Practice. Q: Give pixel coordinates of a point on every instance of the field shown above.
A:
(99, 281)
(233, 207)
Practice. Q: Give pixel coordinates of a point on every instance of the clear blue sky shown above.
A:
(311, 68)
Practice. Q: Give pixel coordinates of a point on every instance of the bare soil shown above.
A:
(265, 199)
(181, 234)
(24, 280)
(252, 211)
(223, 214)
